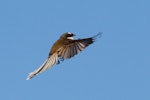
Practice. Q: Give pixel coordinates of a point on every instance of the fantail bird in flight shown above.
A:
(64, 48)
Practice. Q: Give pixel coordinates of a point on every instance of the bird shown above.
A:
(64, 48)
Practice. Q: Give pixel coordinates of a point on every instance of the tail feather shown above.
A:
(52, 60)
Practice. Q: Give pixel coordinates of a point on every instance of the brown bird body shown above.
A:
(64, 48)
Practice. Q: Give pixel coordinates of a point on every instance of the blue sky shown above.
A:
(115, 67)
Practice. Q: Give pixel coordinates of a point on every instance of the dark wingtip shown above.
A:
(98, 35)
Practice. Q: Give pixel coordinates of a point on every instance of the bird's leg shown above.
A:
(58, 62)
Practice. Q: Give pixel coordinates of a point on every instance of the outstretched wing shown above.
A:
(52, 60)
(75, 47)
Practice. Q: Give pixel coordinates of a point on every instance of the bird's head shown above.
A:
(67, 35)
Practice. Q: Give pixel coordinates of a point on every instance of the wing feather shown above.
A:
(74, 48)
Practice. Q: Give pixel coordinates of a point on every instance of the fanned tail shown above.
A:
(52, 60)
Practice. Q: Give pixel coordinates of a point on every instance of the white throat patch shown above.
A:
(70, 38)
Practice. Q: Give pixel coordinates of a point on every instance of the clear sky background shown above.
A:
(115, 67)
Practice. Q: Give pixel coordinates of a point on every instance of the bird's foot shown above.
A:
(59, 60)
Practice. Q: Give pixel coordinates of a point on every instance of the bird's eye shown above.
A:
(70, 35)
